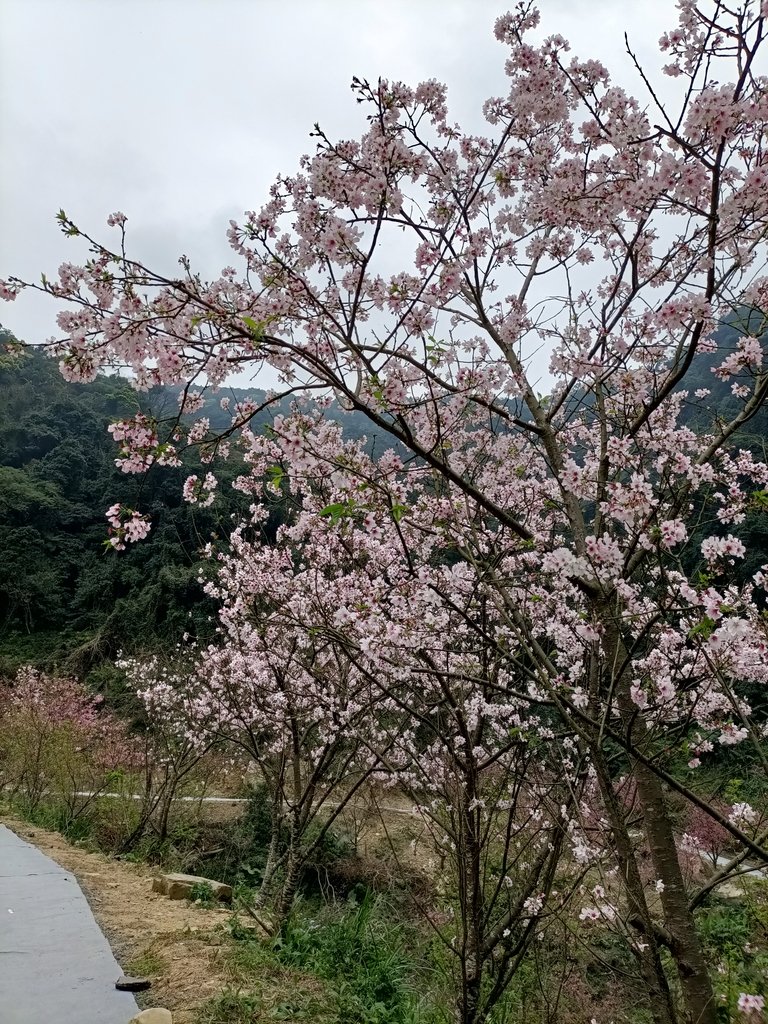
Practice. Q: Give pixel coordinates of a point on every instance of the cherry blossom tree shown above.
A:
(173, 755)
(490, 783)
(610, 234)
(284, 699)
(59, 743)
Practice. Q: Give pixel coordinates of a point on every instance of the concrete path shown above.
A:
(55, 964)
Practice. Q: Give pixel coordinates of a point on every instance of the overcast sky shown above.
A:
(181, 112)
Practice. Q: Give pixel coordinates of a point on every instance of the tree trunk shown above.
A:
(288, 890)
(165, 814)
(684, 944)
(660, 999)
(136, 835)
(470, 878)
(273, 859)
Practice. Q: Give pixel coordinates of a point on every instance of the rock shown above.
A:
(179, 887)
(730, 892)
(155, 1015)
(125, 983)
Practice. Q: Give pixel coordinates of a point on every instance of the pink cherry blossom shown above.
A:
(749, 1004)
(519, 566)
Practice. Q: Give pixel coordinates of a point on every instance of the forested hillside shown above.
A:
(713, 401)
(65, 598)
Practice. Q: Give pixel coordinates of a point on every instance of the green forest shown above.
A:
(67, 600)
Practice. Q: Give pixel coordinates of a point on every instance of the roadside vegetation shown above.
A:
(367, 936)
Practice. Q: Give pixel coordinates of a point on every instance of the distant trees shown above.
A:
(59, 744)
(61, 598)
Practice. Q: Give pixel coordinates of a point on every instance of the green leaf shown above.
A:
(256, 329)
(703, 629)
(339, 510)
(334, 511)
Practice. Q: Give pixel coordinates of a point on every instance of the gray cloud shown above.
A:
(181, 112)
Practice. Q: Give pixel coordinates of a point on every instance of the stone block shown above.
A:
(179, 887)
(154, 1015)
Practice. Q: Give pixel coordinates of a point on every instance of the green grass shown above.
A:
(266, 990)
(203, 895)
(237, 1007)
(340, 964)
(56, 818)
(734, 935)
(232, 1007)
(368, 959)
(147, 964)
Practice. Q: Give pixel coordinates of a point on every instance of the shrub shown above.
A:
(58, 742)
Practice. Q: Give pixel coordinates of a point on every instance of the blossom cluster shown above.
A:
(126, 526)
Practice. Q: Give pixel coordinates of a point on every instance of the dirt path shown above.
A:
(176, 944)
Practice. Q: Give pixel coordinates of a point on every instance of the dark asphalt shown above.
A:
(56, 967)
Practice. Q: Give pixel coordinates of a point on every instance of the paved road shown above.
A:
(55, 964)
